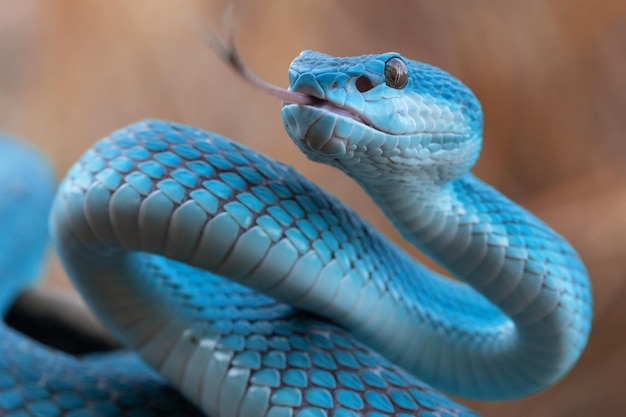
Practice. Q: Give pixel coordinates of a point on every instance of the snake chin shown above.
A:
(313, 130)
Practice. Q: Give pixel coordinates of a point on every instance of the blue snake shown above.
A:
(320, 315)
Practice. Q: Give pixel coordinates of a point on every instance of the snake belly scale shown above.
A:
(321, 315)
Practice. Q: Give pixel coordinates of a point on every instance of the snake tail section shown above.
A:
(26, 192)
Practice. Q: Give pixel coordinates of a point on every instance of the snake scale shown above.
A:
(320, 315)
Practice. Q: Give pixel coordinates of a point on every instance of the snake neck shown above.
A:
(504, 252)
(435, 217)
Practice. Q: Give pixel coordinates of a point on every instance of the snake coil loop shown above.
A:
(320, 315)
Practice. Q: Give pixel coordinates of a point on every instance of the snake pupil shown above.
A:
(396, 73)
(363, 84)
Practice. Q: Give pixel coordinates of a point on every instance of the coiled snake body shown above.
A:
(153, 217)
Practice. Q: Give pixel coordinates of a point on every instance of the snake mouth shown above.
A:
(331, 144)
(328, 106)
(331, 107)
(342, 111)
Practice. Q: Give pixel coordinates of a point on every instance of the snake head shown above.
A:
(383, 113)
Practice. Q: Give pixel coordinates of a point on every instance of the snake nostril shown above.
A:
(363, 84)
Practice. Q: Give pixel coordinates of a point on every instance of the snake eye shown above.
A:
(396, 73)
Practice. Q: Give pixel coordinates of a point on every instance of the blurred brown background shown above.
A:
(551, 76)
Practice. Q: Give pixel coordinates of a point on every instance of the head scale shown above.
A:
(383, 113)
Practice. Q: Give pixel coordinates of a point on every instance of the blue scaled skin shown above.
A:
(26, 191)
(256, 294)
(150, 221)
(527, 318)
(34, 379)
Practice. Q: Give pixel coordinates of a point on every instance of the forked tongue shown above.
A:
(228, 53)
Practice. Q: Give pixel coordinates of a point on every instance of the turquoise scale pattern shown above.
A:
(201, 199)
(322, 316)
(26, 192)
(526, 318)
(38, 382)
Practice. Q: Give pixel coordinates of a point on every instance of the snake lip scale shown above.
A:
(335, 146)
(350, 113)
(343, 111)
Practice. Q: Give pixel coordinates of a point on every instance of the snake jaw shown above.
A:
(322, 124)
(329, 106)
(324, 129)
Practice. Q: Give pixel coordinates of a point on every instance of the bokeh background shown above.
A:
(551, 75)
